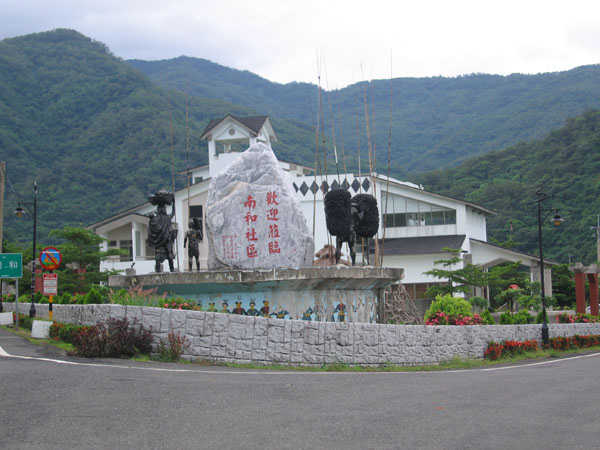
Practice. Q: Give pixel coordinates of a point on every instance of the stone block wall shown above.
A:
(244, 339)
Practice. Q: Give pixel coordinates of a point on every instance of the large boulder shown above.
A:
(253, 219)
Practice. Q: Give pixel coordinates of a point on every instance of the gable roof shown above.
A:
(253, 123)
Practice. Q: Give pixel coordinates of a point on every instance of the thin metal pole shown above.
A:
(16, 303)
(32, 308)
(545, 335)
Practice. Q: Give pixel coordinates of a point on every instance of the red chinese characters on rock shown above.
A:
(250, 204)
(273, 215)
(230, 247)
(253, 235)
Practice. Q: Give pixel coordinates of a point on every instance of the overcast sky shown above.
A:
(346, 41)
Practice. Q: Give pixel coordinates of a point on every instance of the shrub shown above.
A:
(93, 297)
(506, 318)
(577, 318)
(522, 317)
(64, 331)
(449, 305)
(540, 317)
(174, 348)
(487, 318)
(479, 302)
(495, 351)
(113, 338)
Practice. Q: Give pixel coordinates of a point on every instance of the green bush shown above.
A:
(540, 317)
(506, 318)
(64, 331)
(522, 317)
(93, 297)
(486, 315)
(479, 302)
(449, 305)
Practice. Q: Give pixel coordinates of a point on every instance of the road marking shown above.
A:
(286, 372)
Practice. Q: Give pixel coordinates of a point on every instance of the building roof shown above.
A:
(516, 253)
(253, 123)
(420, 245)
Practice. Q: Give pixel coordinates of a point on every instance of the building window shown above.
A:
(126, 244)
(195, 214)
(404, 212)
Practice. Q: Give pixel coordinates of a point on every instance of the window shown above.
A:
(126, 244)
(404, 212)
(195, 214)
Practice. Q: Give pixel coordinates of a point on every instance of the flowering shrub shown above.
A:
(180, 303)
(577, 318)
(448, 310)
(567, 343)
(495, 351)
(440, 318)
(509, 348)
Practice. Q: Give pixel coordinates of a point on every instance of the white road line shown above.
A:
(287, 372)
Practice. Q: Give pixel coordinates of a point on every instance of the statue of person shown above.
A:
(160, 232)
(194, 236)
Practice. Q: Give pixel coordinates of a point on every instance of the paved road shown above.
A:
(115, 404)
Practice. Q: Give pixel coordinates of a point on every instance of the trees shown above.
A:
(81, 253)
(462, 279)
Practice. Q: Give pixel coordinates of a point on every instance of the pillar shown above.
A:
(580, 292)
(593, 280)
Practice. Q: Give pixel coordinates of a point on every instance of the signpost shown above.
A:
(50, 259)
(11, 266)
(50, 286)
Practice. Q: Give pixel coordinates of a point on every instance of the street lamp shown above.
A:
(557, 220)
(19, 212)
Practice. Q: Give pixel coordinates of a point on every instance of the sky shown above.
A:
(336, 42)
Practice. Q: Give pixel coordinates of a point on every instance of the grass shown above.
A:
(456, 363)
(25, 333)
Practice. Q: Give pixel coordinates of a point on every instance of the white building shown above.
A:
(418, 224)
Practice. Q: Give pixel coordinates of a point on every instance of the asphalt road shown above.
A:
(118, 404)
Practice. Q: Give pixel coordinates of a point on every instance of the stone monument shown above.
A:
(253, 220)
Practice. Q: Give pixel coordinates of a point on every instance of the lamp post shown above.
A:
(19, 212)
(556, 221)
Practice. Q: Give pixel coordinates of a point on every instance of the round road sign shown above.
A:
(50, 258)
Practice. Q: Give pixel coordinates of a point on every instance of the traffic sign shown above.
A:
(50, 284)
(50, 258)
(11, 265)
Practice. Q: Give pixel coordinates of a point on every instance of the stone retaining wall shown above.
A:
(244, 339)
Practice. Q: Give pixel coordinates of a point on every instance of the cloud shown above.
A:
(283, 40)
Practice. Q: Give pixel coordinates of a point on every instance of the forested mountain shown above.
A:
(94, 132)
(566, 164)
(436, 122)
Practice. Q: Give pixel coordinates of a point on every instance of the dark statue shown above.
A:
(350, 217)
(160, 232)
(193, 236)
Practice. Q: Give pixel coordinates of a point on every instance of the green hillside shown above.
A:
(566, 163)
(437, 122)
(94, 132)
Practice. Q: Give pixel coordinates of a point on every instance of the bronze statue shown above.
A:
(194, 236)
(160, 233)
